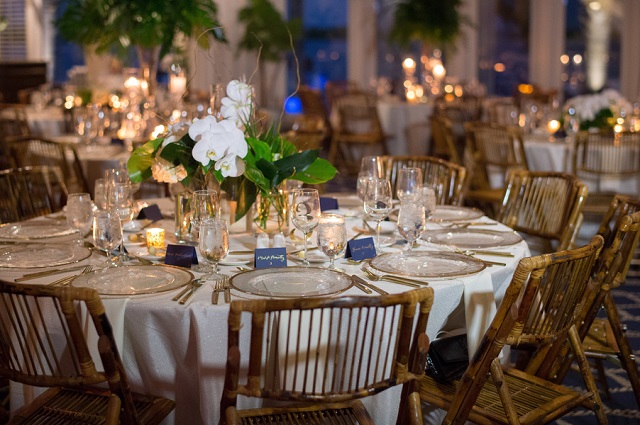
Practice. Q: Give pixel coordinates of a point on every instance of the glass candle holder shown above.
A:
(332, 236)
(155, 238)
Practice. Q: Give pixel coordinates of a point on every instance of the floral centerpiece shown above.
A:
(230, 147)
(597, 110)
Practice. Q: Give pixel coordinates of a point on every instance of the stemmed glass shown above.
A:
(205, 207)
(332, 236)
(107, 233)
(100, 193)
(409, 184)
(377, 203)
(213, 244)
(428, 199)
(306, 211)
(371, 166)
(80, 213)
(119, 200)
(411, 222)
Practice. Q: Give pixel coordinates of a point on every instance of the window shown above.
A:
(13, 40)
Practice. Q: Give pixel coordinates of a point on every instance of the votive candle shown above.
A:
(155, 237)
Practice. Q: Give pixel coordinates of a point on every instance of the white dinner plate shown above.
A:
(134, 225)
(314, 257)
(472, 238)
(427, 264)
(35, 230)
(385, 227)
(346, 212)
(41, 255)
(453, 213)
(134, 280)
(237, 260)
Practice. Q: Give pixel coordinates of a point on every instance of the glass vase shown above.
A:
(186, 232)
(271, 213)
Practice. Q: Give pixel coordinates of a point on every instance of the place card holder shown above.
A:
(266, 258)
(181, 255)
(152, 212)
(360, 249)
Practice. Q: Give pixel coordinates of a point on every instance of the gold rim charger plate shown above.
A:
(41, 255)
(134, 280)
(35, 230)
(453, 213)
(292, 282)
(427, 264)
(472, 238)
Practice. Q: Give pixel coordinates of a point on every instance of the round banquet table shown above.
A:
(179, 351)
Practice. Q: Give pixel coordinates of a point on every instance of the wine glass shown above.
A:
(306, 211)
(100, 193)
(409, 184)
(213, 244)
(429, 201)
(119, 200)
(80, 213)
(332, 236)
(411, 222)
(377, 203)
(204, 207)
(107, 233)
(372, 166)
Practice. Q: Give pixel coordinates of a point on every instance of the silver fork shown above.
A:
(226, 286)
(67, 280)
(394, 279)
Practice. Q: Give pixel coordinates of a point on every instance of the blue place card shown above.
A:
(181, 255)
(328, 204)
(152, 212)
(266, 258)
(117, 141)
(360, 249)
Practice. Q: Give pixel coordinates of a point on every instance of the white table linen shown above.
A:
(179, 351)
(396, 117)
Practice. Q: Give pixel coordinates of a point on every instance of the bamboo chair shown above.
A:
(605, 154)
(444, 142)
(492, 151)
(446, 178)
(369, 344)
(35, 321)
(35, 151)
(544, 205)
(31, 192)
(358, 125)
(540, 307)
(604, 338)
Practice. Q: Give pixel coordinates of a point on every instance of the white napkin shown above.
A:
(480, 308)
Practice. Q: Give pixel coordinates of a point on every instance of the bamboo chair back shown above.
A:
(446, 178)
(494, 150)
(13, 121)
(607, 154)
(444, 140)
(544, 204)
(358, 124)
(327, 350)
(34, 151)
(540, 306)
(31, 192)
(504, 112)
(43, 344)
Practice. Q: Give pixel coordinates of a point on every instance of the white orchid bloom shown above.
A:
(238, 104)
(216, 140)
(230, 166)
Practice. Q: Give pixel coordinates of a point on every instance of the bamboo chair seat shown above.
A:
(446, 178)
(42, 343)
(545, 205)
(322, 370)
(541, 306)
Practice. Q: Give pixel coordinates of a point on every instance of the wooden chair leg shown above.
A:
(627, 357)
(602, 378)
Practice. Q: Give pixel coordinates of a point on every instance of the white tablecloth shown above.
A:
(179, 351)
(396, 117)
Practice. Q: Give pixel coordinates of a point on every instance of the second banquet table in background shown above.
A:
(179, 351)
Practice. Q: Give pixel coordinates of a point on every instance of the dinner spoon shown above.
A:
(194, 287)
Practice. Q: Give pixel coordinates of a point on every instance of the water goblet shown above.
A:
(213, 244)
(377, 203)
(119, 199)
(100, 193)
(107, 233)
(305, 214)
(204, 207)
(409, 184)
(428, 199)
(372, 166)
(411, 222)
(332, 236)
(80, 213)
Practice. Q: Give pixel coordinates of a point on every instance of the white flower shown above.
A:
(175, 132)
(221, 142)
(165, 172)
(237, 106)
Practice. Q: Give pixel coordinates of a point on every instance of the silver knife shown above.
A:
(37, 275)
(364, 283)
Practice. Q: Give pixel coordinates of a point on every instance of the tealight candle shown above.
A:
(155, 238)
